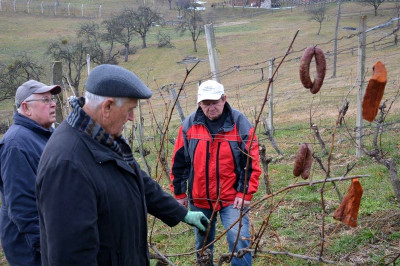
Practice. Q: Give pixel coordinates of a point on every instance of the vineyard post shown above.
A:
(178, 106)
(336, 39)
(88, 63)
(271, 98)
(56, 78)
(212, 52)
(361, 83)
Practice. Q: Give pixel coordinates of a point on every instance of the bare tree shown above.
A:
(91, 33)
(317, 13)
(124, 29)
(73, 55)
(181, 5)
(144, 19)
(193, 22)
(374, 3)
(13, 75)
(377, 151)
(110, 35)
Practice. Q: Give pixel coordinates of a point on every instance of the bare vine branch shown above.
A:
(253, 135)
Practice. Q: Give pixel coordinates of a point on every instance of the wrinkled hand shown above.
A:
(183, 201)
(197, 219)
(239, 201)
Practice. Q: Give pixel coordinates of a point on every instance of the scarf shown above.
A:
(79, 120)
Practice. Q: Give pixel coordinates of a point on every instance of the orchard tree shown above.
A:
(12, 75)
(101, 45)
(144, 18)
(181, 5)
(73, 56)
(193, 22)
(317, 13)
(374, 3)
(124, 25)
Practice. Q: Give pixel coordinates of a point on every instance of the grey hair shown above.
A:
(30, 97)
(95, 100)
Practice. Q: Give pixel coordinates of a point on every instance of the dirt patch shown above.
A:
(232, 23)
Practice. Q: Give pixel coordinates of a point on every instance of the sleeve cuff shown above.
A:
(181, 196)
(246, 197)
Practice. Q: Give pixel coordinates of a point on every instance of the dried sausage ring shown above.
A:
(320, 63)
(303, 161)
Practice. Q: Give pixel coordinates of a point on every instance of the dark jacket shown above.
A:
(215, 165)
(93, 206)
(20, 151)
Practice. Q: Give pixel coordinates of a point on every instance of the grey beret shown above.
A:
(33, 87)
(116, 81)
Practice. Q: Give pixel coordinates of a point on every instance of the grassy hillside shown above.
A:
(246, 40)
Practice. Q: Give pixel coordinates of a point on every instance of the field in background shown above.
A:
(246, 40)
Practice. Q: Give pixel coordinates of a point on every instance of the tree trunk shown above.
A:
(265, 162)
(394, 178)
(76, 90)
(110, 50)
(144, 42)
(319, 30)
(126, 52)
(195, 46)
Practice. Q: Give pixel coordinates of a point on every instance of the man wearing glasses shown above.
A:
(20, 151)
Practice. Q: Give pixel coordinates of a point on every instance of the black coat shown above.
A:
(93, 206)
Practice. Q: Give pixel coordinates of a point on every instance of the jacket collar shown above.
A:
(200, 118)
(79, 120)
(102, 153)
(28, 123)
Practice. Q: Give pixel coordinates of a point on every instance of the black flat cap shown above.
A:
(115, 81)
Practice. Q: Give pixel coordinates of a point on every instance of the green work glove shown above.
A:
(197, 219)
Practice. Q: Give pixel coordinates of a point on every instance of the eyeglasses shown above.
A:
(209, 103)
(44, 100)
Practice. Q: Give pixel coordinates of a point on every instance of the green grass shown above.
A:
(295, 224)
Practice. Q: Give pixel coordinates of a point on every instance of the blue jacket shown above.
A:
(20, 151)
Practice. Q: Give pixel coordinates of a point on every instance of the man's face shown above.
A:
(213, 108)
(118, 116)
(42, 109)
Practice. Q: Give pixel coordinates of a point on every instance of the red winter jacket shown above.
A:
(215, 165)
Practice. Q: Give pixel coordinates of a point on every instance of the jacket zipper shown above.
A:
(217, 174)
(207, 175)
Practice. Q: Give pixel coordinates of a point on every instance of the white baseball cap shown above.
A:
(210, 90)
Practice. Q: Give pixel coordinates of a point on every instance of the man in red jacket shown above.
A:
(215, 165)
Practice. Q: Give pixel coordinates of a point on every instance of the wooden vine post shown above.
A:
(56, 78)
(361, 83)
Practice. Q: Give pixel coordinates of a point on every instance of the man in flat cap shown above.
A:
(20, 151)
(92, 196)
